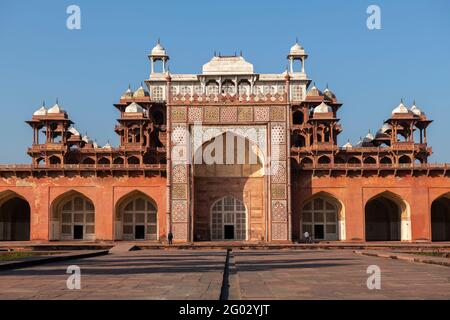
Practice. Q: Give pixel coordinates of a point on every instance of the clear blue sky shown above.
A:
(40, 59)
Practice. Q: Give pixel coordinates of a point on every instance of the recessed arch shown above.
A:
(136, 217)
(104, 161)
(323, 217)
(54, 160)
(440, 218)
(386, 160)
(15, 216)
(404, 159)
(370, 160)
(119, 160)
(306, 161)
(354, 161)
(387, 218)
(324, 160)
(88, 161)
(133, 160)
(72, 217)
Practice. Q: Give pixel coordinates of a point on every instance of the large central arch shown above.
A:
(237, 178)
(387, 218)
(14, 217)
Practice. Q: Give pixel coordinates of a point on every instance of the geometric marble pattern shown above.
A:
(277, 113)
(278, 191)
(179, 211)
(279, 213)
(278, 172)
(279, 231)
(228, 114)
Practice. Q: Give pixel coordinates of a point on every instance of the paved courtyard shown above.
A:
(335, 274)
(198, 274)
(152, 274)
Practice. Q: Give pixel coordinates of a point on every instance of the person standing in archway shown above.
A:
(170, 237)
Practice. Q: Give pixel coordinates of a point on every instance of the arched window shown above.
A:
(212, 88)
(324, 160)
(133, 160)
(54, 160)
(404, 159)
(298, 141)
(244, 87)
(228, 220)
(104, 161)
(298, 117)
(77, 219)
(89, 161)
(228, 87)
(354, 161)
(119, 160)
(320, 219)
(386, 160)
(370, 160)
(306, 161)
(140, 220)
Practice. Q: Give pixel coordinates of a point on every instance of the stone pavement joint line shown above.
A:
(406, 257)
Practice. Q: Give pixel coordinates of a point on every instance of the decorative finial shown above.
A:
(159, 40)
(414, 102)
(129, 86)
(241, 53)
(296, 40)
(215, 53)
(57, 100)
(401, 100)
(43, 103)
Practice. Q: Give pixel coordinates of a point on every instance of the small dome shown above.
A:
(314, 92)
(42, 111)
(86, 139)
(323, 108)
(134, 108)
(95, 144)
(128, 93)
(56, 109)
(400, 109)
(158, 50)
(107, 146)
(297, 50)
(359, 144)
(74, 131)
(416, 110)
(141, 93)
(385, 128)
(369, 137)
(347, 145)
(329, 94)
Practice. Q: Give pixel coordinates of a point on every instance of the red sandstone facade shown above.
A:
(381, 189)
